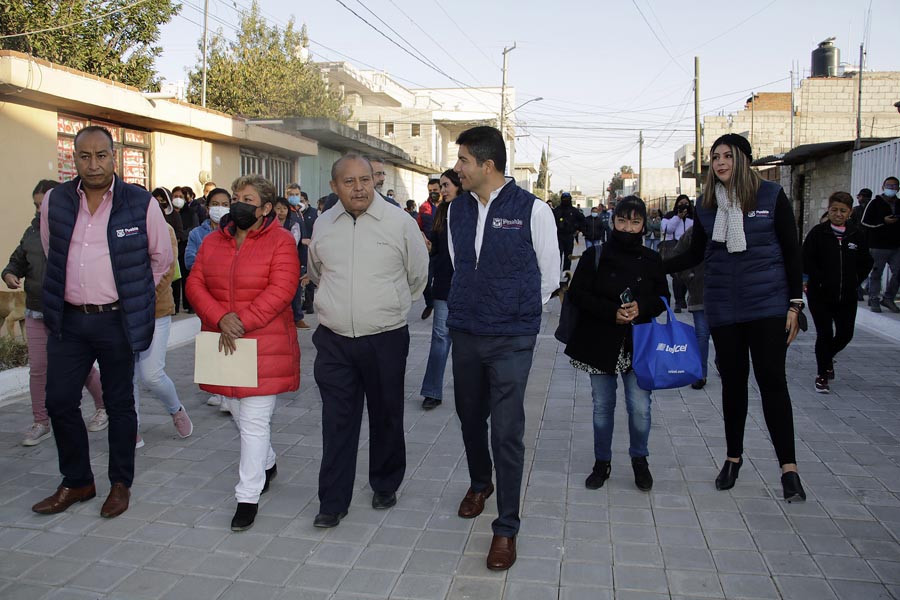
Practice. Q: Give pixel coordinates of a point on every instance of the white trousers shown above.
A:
(253, 417)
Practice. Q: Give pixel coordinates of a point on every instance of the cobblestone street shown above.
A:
(682, 540)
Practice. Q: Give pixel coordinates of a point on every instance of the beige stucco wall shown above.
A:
(178, 160)
(27, 155)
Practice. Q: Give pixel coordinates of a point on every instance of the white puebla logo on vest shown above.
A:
(128, 231)
(501, 223)
(852, 246)
(664, 347)
(763, 214)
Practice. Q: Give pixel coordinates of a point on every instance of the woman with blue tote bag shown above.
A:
(623, 288)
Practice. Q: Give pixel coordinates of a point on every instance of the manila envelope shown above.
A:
(214, 368)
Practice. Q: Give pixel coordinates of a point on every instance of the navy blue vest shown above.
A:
(128, 251)
(745, 286)
(500, 292)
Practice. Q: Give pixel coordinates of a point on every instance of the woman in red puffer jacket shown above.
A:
(241, 286)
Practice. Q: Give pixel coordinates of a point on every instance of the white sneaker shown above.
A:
(214, 400)
(99, 421)
(138, 442)
(37, 434)
(223, 407)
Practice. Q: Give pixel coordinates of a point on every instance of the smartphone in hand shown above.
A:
(626, 296)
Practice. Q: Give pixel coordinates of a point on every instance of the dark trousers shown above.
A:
(346, 371)
(566, 247)
(835, 322)
(309, 292)
(297, 303)
(84, 339)
(178, 287)
(427, 294)
(489, 378)
(679, 293)
(765, 341)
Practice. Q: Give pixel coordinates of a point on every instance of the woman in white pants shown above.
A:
(241, 286)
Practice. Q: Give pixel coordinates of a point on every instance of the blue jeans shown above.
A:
(701, 328)
(150, 370)
(433, 382)
(652, 243)
(637, 403)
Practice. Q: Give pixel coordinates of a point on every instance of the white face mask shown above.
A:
(217, 212)
(178, 203)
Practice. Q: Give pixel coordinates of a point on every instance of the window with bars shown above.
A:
(277, 169)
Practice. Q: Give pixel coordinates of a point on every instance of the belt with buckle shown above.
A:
(93, 309)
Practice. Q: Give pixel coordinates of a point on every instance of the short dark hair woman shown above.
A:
(241, 286)
(624, 288)
(746, 235)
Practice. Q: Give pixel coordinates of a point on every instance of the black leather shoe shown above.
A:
(382, 500)
(429, 403)
(793, 491)
(729, 474)
(598, 475)
(327, 521)
(270, 475)
(244, 516)
(427, 312)
(642, 478)
(699, 384)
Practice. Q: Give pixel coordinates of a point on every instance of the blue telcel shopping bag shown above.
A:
(666, 355)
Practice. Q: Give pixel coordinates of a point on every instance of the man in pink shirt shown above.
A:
(107, 248)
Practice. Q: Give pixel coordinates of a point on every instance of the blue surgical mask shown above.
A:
(595, 214)
(294, 200)
(889, 193)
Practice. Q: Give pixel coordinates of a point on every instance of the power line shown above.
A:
(435, 42)
(82, 22)
(653, 31)
(398, 34)
(466, 35)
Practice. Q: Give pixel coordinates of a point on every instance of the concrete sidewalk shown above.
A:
(682, 540)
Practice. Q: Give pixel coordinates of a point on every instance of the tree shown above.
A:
(626, 169)
(265, 72)
(542, 172)
(113, 39)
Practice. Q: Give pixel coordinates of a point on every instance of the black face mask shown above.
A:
(434, 196)
(243, 215)
(627, 240)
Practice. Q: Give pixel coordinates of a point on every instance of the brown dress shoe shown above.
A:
(502, 554)
(472, 505)
(301, 324)
(117, 501)
(63, 499)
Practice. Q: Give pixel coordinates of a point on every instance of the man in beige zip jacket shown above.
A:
(369, 262)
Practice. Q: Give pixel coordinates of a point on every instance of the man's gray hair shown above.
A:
(346, 157)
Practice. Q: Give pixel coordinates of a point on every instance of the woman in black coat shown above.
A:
(624, 288)
(836, 258)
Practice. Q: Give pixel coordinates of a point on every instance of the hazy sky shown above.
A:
(605, 69)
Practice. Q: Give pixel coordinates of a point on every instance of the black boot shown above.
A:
(244, 516)
(270, 475)
(793, 491)
(642, 478)
(729, 474)
(598, 476)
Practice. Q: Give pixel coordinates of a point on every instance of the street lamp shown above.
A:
(538, 99)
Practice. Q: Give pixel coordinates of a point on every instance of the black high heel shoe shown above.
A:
(793, 490)
(729, 474)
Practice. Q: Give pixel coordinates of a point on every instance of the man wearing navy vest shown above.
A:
(506, 264)
(107, 247)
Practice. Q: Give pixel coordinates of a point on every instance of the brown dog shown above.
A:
(12, 311)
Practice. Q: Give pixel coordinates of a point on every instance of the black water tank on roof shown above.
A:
(825, 59)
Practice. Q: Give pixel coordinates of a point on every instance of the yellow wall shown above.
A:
(27, 155)
(178, 161)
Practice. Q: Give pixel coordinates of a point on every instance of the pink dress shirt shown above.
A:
(89, 274)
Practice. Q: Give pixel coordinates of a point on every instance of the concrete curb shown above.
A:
(14, 382)
(885, 325)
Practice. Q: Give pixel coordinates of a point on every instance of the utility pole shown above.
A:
(506, 52)
(792, 106)
(640, 163)
(752, 115)
(698, 160)
(547, 173)
(205, 35)
(859, 101)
